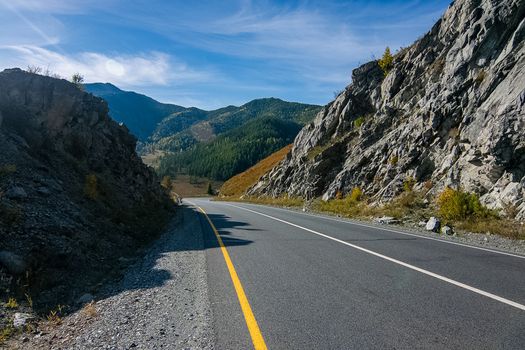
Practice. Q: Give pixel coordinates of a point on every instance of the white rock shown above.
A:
(433, 224)
(21, 319)
(447, 230)
(388, 220)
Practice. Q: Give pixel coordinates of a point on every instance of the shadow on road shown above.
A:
(188, 231)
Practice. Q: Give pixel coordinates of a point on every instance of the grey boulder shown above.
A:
(433, 224)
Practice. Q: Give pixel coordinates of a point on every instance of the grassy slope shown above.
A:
(237, 185)
(186, 186)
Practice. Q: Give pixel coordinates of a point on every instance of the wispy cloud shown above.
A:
(211, 53)
(154, 68)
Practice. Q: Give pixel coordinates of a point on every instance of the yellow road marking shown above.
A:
(253, 327)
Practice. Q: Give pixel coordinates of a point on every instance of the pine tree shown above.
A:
(386, 61)
(210, 189)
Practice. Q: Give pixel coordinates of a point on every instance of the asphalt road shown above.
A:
(316, 282)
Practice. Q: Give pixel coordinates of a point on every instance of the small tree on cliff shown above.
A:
(386, 61)
(78, 79)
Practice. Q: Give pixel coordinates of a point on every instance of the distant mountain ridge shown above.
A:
(130, 108)
(217, 143)
(172, 128)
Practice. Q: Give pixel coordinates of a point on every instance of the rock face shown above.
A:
(450, 112)
(74, 195)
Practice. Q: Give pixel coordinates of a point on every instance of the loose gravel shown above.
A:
(161, 303)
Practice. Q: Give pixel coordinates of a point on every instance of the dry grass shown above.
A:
(408, 204)
(482, 75)
(54, 318)
(152, 159)
(6, 333)
(411, 205)
(91, 187)
(503, 227)
(11, 303)
(240, 183)
(277, 201)
(90, 310)
(189, 186)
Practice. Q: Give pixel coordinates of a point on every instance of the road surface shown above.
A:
(315, 282)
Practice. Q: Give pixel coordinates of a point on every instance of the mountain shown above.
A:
(447, 111)
(74, 195)
(180, 131)
(139, 113)
(165, 128)
(234, 151)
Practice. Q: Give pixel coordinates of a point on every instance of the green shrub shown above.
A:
(356, 195)
(11, 303)
(394, 160)
(359, 121)
(408, 184)
(459, 205)
(7, 169)
(386, 62)
(91, 187)
(78, 80)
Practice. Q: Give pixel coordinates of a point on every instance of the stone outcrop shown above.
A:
(74, 195)
(450, 112)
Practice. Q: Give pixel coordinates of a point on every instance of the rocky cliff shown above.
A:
(450, 112)
(75, 199)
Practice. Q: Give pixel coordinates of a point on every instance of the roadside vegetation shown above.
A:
(456, 208)
(284, 201)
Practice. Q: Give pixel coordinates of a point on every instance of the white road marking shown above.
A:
(400, 232)
(412, 267)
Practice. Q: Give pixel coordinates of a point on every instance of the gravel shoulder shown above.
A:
(160, 303)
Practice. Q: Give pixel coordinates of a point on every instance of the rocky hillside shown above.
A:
(75, 199)
(450, 111)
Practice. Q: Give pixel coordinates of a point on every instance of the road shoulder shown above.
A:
(161, 302)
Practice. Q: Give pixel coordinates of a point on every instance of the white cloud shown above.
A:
(55, 6)
(154, 68)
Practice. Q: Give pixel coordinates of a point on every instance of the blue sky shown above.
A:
(211, 54)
